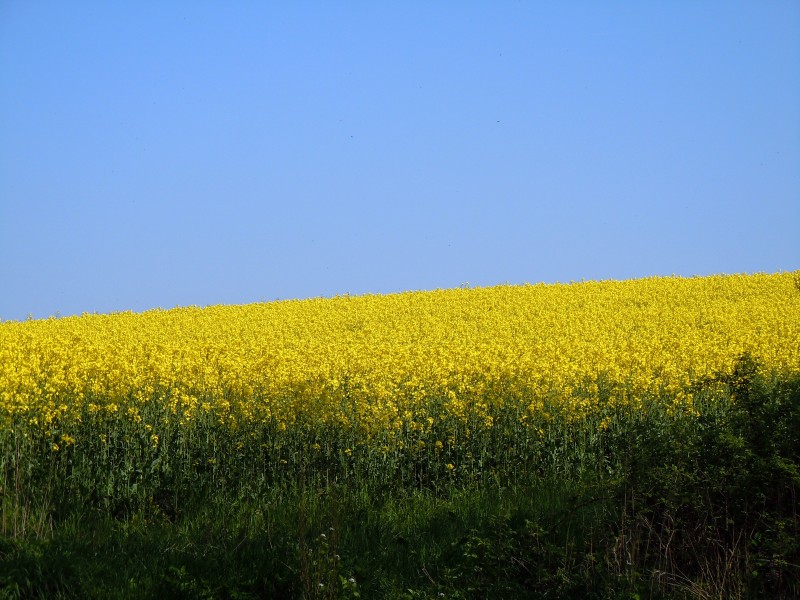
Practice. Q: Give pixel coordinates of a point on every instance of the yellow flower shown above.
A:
(397, 367)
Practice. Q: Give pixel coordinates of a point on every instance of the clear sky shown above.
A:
(155, 154)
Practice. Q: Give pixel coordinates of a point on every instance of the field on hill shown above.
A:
(595, 439)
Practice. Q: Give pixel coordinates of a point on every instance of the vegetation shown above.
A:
(593, 440)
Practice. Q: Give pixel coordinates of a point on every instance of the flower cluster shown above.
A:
(382, 363)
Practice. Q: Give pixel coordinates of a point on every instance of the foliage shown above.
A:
(602, 439)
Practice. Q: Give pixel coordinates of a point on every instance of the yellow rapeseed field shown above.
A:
(379, 362)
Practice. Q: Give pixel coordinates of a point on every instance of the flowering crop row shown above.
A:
(381, 362)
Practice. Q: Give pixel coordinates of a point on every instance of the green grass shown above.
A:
(404, 544)
(657, 505)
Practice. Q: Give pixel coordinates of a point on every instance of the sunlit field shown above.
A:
(382, 365)
(290, 415)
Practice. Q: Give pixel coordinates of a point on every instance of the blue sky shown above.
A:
(155, 154)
